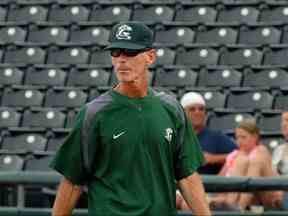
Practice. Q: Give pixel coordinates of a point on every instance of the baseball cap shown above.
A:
(130, 35)
(192, 98)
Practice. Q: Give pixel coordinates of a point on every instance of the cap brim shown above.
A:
(124, 45)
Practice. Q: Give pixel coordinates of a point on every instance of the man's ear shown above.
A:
(151, 56)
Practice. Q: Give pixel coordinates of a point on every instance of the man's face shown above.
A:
(197, 115)
(132, 68)
(284, 124)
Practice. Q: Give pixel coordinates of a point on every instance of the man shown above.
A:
(130, 144)
(215, 144)
(280, 153)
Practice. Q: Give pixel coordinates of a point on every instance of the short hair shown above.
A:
(250, 126)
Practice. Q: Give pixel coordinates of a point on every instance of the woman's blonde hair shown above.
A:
(250, 126)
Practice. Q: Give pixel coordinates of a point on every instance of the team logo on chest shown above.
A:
(168, 134)
(124, 32)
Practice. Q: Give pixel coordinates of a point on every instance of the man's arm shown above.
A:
(215, 158)
(66, 198)
(193, 192)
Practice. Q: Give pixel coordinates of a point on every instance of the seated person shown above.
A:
(251, 159)
(215, 144)
(280, 153)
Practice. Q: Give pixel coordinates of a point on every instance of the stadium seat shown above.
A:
(220, 78)
(197, 56)
(227, 121)
(68, 14)
(272, 14)
(214, 98)
(115, 13)
(25, 55)
(272, 140)
(196, 14)
(43, 118)
(65, 98)
(22, 97)
(68, 55)
(18, 143)
(38, 163)
(88, 77)
(269, 122)
(238, 14)
(11, 76)
(89, 35)
(249, 99)
(174, 36)
(272, 78)
(217, 35)
(3, 14)
(154, 14)
(55, 141)
(12, 34)
(241, 56)
(281, 100)
(27, 14)
(47, 34)
(11, 162)
(9, 117)
(275, 56)
(100, 57)
(259, 35)
(175, 77)
(45, 76)
(165, 56)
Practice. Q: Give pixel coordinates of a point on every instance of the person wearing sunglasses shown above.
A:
(131, 144)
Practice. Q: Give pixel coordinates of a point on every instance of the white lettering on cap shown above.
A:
(124, 32)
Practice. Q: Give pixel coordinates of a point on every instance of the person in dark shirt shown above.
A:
(215, 144)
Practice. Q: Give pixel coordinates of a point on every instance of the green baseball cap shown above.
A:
(130, 35)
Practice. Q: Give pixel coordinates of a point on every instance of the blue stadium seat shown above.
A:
(11, 76)
(175, 77)
(55, 141)
(22, 97)
(154, 14)
(272, 78)
(174, 36)
(281, 99)
(89, 35)
(68, 14)
(241, 56)
(48, 35)
(11, 162)
(276, 14)
(196, 14)
(165, 56)
(42, 118)
(197, 56)
(276, 56)
(27, 13)
(89, 76)
(68, 55)
(12, 34)
(250, 99)
(115, 13)
(227, 121)
(19, 143)
(46, 76)
(9, 117)
(217, 35)
(269, 122)
(38, 163)
(25, 55)
(100, 57)
(259, 35)
(238, 15)
(226, 77)
(65, 98)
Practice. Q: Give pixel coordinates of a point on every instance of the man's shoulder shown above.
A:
(217, 134)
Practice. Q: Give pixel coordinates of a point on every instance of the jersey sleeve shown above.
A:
(69, 158)
(188, 154)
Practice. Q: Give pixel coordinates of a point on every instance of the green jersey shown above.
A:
(129, 152)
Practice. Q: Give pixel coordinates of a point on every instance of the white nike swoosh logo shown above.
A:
(118, 135)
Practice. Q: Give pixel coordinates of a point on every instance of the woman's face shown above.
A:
(245, 140)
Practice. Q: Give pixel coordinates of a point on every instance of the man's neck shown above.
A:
(132, 90)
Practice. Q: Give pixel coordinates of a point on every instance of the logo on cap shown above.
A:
(124, 32)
